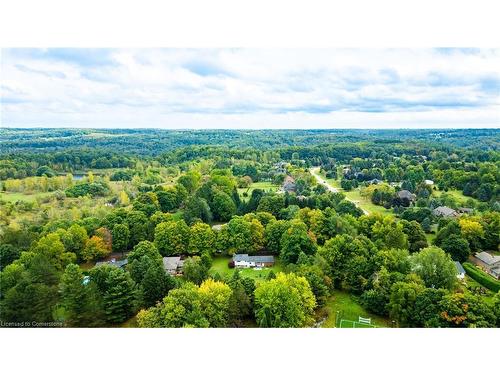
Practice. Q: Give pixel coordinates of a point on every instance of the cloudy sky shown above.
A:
(250, 88)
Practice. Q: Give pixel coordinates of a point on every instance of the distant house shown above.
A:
(375, 181)
(490, 263)
(250, 261)
(173, 265)
(428, 182)
(406, 195)
(113, 262)
(217, 227)
(444, 211)
(289, 184)
(460, 271)
(465, 210)
(280, 167)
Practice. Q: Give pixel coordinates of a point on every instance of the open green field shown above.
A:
(350, 309)
(355, 196)
(264, 185)
(220, 266)
(457, 194)
(14, 197)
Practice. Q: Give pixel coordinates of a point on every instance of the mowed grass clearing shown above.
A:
(263, 185)
(220, 266)
(457, 194)
(355, 196)
(349, 309)
(15, 197)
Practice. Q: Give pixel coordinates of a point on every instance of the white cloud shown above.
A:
(250, 88)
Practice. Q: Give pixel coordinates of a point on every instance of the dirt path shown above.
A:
(315, 172)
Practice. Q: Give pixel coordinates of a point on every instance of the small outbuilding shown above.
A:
(460, 271)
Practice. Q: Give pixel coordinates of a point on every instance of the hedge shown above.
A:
(481, 277)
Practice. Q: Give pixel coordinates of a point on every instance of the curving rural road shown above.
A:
(315, 172)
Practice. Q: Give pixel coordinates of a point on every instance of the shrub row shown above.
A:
(481, 277)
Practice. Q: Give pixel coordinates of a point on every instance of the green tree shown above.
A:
(222, 205)
(402, 302)
(295, 240)
(95, 248)
(415, 234)
(138, 226)
(121, 235)
(201, 239)
(8, 254)
(286, 301)
(181, 308)
(172, 237)
(119, 296)
(215, 301)
(74, 239)
(196, 209)
(465, 310)
(79, 300)
(144, 248)
(195, 270)
(435, 268)
(457, 247)
(156, 282)
(426, 310)
(273, 234)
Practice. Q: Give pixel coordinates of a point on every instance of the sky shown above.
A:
(250, 88)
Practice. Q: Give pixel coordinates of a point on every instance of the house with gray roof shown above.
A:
(406, 194)
(173, 265)
(444, 211)
(489, 263)
(250, 261)
(289, 184)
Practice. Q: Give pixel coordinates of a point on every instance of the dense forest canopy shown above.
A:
(92, 220)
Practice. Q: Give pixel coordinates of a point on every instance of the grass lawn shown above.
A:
(264, 185)
(14, 197)
(355, 196)
(349, 309)
(473, 284)
(220, 266)
(457, 194)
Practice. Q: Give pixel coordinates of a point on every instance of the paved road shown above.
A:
(315, 172)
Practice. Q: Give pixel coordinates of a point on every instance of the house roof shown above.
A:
(487, 258)
(405, 194)
(459, 267)
(253, 258)
(444, 211)
(171, 263)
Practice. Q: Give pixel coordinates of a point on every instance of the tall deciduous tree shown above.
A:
(435, 268)
(286, 301)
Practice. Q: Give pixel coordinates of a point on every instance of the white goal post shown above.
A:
(365, 320)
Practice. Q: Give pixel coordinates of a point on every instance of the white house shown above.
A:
(250, 261)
